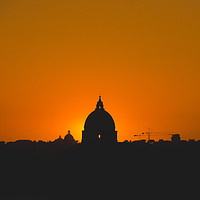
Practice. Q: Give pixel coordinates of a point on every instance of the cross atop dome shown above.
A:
(99, 104)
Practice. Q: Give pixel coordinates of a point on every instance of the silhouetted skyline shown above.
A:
(142, 138)
(65, 167)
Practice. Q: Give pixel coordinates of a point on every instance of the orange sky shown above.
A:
(57, 56)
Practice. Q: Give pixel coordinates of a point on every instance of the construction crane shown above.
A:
(148, 133)
(139, 135)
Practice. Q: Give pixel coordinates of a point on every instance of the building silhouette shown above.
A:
(99, 127)
(176, 138)
(69, 139)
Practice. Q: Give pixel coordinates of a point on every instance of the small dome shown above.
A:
(69, 138)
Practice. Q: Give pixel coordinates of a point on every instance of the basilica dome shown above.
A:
(99, 126)
(99, 119)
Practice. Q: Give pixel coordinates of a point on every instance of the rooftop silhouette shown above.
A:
(65, 168)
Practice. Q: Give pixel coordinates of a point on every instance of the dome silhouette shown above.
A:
(69, 138)
(99, 126)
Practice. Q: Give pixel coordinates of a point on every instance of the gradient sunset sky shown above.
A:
(57, 56)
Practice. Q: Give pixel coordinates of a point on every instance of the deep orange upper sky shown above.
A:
(57, 56)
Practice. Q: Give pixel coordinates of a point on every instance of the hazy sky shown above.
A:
(57, 56)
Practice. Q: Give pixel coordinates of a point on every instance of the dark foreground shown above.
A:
(124, 170)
